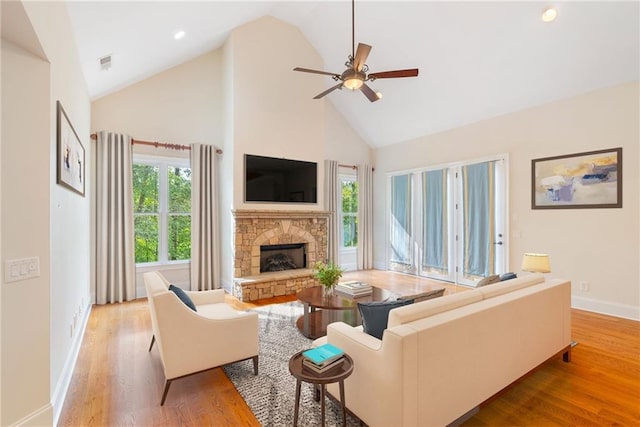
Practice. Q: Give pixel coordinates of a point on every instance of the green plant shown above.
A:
(328, 274)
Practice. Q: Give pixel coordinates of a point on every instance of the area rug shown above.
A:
(271, 394)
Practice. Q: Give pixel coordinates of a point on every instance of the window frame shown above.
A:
(346, 178)
(163, 163)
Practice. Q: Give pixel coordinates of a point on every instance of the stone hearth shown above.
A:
(254, 228)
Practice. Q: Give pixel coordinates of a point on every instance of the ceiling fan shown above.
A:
(355, 76)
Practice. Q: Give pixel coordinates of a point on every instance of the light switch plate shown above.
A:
(21, 269)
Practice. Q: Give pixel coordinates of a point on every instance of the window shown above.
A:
(448, 222)
(349, 212)
(161, 210)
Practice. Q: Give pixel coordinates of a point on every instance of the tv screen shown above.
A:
(268, 179)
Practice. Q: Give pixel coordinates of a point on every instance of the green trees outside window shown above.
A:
(179, 239)
(349, 213)
(162, 212)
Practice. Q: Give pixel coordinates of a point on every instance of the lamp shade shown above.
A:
(536, 263)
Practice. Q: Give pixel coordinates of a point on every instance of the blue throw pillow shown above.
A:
(183, 297)
(376, 314)
(508, 276)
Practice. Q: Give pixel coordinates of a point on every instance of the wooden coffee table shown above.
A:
(337, 308)
(337, 374)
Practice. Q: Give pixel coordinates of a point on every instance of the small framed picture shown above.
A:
(591, 179)
(71, 157)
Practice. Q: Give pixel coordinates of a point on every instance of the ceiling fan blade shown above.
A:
(369, 93)
(326, 92)
(412, 72)
(361, 56)
(306, 70)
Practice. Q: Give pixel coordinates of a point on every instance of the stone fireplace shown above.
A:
(301, 236)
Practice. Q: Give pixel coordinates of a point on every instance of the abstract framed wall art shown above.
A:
(591, 179)
(71, 156)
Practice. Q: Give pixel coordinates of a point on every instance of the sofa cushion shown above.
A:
(433, 306)
(183, 297)
(218, 311)
(376, 314)
(494, 278)
(423, 296)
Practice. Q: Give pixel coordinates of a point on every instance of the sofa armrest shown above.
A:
(358, 339)
(379, 373)
(206, 297)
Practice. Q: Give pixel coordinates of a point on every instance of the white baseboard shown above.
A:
(60, 391)
(379, 265)
(603, 307)
(39, 417)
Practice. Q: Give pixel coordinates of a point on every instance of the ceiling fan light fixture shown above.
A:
(352, 79)
(353, 83)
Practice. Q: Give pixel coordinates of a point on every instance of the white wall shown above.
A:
(25, 233)
(182, 105)
(273, 113)
(69, 213)
(43, 219)
(597, 246)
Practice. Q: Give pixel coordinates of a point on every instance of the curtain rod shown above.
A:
(94, 136)
(354, 167)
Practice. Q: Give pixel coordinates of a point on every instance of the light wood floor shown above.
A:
(118, 383)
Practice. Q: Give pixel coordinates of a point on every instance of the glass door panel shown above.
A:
(400, 224)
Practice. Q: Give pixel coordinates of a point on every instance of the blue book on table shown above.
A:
(324, 354)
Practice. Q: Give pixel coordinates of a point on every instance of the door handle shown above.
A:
(497, 243)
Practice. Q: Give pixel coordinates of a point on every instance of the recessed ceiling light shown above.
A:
(549, 14)
(179, 34)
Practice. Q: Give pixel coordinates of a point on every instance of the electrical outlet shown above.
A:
(584, 286)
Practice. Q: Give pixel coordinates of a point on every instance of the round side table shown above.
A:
(337, 374)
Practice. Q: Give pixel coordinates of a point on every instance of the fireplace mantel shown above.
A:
(278, 214)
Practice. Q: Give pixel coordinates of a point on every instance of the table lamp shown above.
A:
(536, 263)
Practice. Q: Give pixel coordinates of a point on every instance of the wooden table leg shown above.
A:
(344, 406)
(322, 389)
(297, 404)
(305, 321)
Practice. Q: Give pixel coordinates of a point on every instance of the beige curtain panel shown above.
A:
(365, 217)
(205, 253)
(115, 252)
(332, 204)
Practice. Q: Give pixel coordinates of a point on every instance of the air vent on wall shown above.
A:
(105, 62)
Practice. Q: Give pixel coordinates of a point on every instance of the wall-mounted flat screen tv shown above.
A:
(273, 180)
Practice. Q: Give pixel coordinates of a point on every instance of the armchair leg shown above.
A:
(153, 339)
(167, 384)
(255, 365)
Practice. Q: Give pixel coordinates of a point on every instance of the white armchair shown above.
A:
(190, 341)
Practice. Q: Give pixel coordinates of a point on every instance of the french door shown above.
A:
(449, 222)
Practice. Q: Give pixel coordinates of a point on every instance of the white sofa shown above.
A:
(194, 341)
(441, 358)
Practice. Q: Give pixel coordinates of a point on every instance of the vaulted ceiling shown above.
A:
(477, 60)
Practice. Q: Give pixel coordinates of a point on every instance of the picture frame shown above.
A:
(70, 154)
(592, 179)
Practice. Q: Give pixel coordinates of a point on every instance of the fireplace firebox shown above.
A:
(282, 257)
